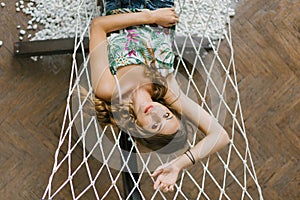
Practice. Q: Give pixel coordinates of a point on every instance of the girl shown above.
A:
(135, 88)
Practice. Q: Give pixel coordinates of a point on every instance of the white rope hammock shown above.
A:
(89, 160)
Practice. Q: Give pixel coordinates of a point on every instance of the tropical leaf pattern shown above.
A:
(150, 45)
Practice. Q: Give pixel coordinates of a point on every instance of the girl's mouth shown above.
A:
(148, 108)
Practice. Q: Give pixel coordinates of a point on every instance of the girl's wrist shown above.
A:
(151, 16)
(182, 162)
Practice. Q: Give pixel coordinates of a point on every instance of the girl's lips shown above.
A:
(148, 108)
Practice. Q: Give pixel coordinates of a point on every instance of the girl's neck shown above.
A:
(134, 83)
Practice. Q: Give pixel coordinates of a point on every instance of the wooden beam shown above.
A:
(130, 174)
(180, 40)
(47, 47)
(63, 46)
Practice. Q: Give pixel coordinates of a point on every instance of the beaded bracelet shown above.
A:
(189, 154)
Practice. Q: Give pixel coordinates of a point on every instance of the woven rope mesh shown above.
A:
(89, 162)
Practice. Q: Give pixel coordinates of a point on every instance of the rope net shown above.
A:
(90, 162)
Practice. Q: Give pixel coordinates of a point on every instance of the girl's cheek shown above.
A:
(145, 121)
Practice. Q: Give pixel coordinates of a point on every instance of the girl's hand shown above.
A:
(165, 17)
(167, 175)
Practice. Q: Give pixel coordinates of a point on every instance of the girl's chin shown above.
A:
(143, 106)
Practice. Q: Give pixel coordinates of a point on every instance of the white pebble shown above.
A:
(20, 38)
(21, 6)
(22, 32)
(18, 26)
(1, 43)
(26, 11)
(34, 58)
(34, 26)
(29, 27)
(22, 2)
(18, 9)
(2, 4)
(29, 36)
(231, 12)
(17, 4)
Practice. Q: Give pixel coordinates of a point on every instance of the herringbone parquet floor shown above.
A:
(267, 45)
(266, 37)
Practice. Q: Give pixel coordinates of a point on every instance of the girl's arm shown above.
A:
(193, 111)
(216, 136)
(105, 24)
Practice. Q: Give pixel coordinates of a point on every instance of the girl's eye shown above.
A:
(166, 115)
(154, 126)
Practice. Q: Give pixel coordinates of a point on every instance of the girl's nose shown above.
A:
(156, 114)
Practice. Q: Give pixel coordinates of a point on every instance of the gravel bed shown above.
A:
(58, 17)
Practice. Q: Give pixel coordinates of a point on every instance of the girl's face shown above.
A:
(156, 118)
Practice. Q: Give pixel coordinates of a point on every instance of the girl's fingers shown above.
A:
(166, 188)
(171, 188)
(172, 24)
(163, 187)
(156, 184)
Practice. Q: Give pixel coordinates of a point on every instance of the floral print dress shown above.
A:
(150, 45)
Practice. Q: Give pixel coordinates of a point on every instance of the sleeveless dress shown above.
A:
(149, 45)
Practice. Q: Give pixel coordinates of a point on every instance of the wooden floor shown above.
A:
(266, 37)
